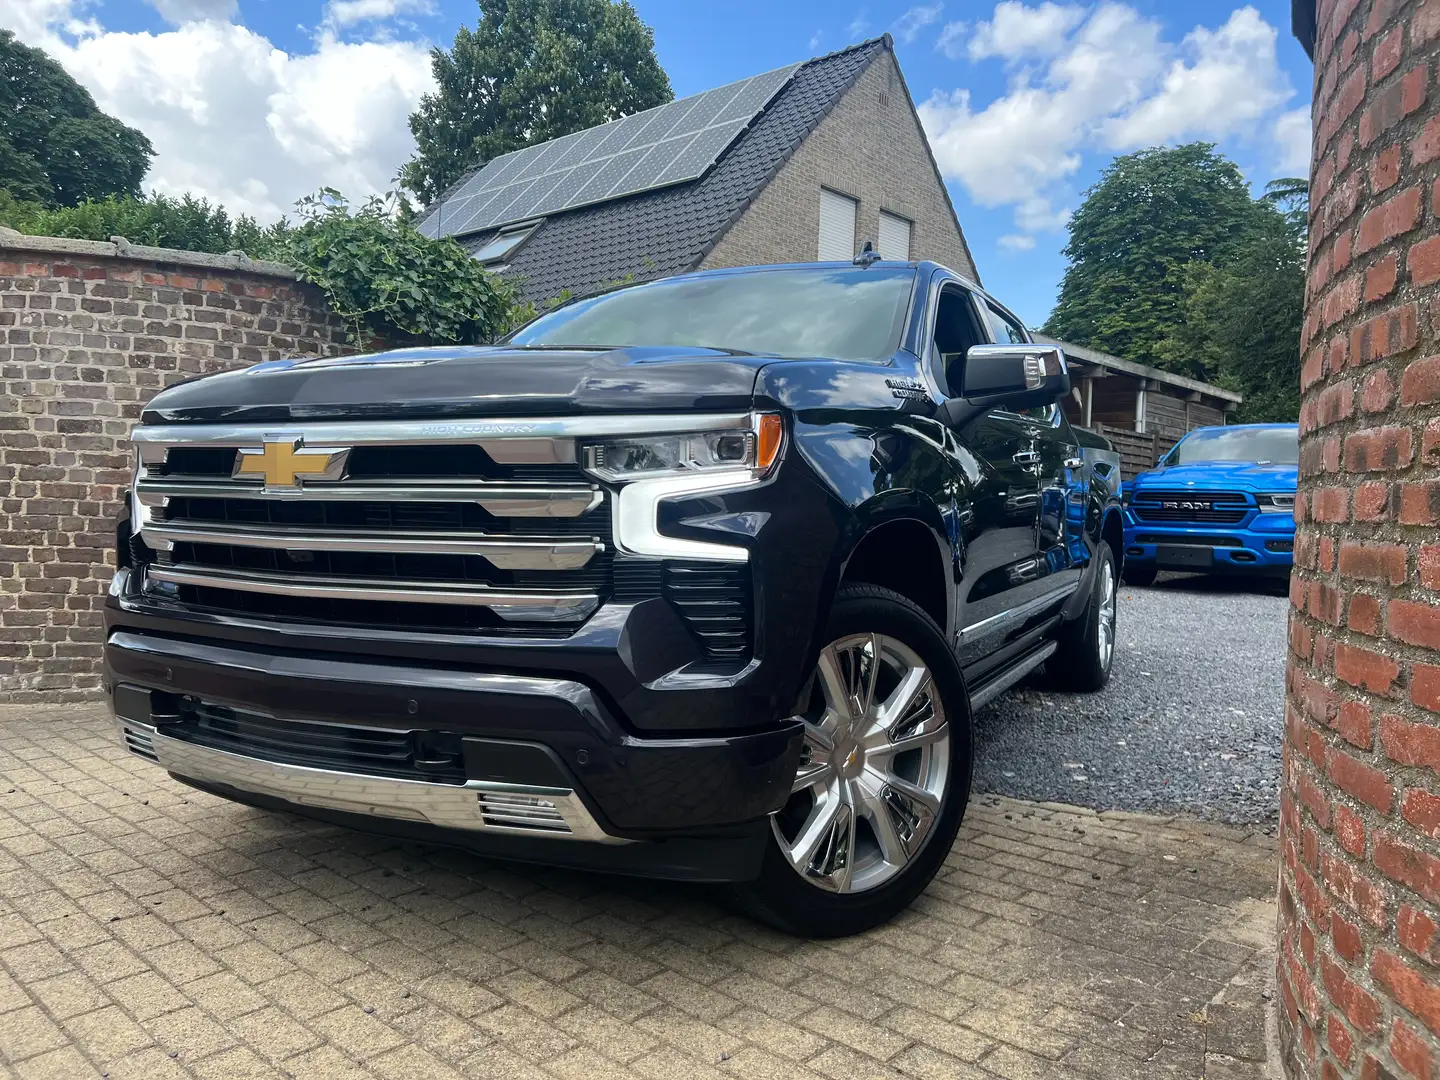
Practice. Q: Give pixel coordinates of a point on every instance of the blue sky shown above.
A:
(256, 102)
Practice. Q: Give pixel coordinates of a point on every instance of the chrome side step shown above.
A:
(1008, 678)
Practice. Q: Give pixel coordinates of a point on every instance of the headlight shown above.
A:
(1276, 503)
(753, 450)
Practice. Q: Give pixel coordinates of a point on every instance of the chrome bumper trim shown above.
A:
(502, 500)
(556, 813)
(504, 554)
(527, 607)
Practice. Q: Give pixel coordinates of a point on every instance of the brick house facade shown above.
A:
(871, 148)
(1359, 922)
(89, 332)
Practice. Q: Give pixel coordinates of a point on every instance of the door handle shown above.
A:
(1074, 462)
(1027, 457)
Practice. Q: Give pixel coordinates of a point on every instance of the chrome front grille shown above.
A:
(381, 524)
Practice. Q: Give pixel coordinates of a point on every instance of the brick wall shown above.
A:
(1359, 959)
(88, 333)
(872, 148)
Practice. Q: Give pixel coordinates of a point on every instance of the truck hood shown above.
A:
(499, 380)
(1221, 476)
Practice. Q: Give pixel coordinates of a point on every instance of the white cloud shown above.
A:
(1018, 32)
(907, 28)
(858, 25)
(1230, 81)
(1292, 142)
(952, 39)
(1104, 81)
(242, 122)
(180, 12)
(1016, 242)
(814, 41)
(348, 12)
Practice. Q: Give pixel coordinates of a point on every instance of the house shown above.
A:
(803, 163)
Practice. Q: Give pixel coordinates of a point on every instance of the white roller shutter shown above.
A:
(837, 227)
(894, 237)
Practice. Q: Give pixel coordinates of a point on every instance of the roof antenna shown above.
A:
(867, 255)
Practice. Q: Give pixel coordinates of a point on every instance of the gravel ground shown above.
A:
(1191, 721)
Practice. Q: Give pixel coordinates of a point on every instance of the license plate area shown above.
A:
(1177, 557)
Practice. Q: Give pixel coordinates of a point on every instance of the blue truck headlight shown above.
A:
(1276, 503)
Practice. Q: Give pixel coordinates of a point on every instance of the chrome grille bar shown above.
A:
(505, 554)
(501, 500)
(511, 606)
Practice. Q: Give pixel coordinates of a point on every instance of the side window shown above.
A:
(956, 329)
(1007, 330)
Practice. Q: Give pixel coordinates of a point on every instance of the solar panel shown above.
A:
(668, 144)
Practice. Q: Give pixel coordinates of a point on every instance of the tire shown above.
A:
(1140, 575)
(1087, 645)
(829, 871)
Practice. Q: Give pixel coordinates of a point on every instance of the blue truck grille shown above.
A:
(1217, 507)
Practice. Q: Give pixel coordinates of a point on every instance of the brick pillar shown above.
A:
(1359, 955)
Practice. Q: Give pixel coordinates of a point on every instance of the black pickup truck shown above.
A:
(699, 579)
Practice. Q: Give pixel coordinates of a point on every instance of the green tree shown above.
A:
(531, 71)
(188, 223)
(56, 147)
(1151, 216)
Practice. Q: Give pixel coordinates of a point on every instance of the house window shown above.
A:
(505, 244)
(837, 226)
(894, 237)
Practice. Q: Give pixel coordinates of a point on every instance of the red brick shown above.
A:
(1430, 442)
(1423, 262)
(1379, 449)
(1372, 501)
(1391, 218)
(1406, 865)
(1313, 797)
(1378, 393)
(1364, 615)
(1416, 993)
(1325, 553)
(1359, 1007)
(1360, 781)
(1385, 56)
(1425, 686)
(1350, 830)
(1381, 563)
(1346, 938)
(1380, 279)
(1420, 384)
(1410, 1052)
(1419, 503)
(1387, 334)
(1351, 887)
(1389, 106)
(1342, 301)
(1366, 669)
(1337, 1037)
(1424, 22)
(1427, 563)
(1410, 744)
(1425, 147)
(1330, 504)
(1417, 624)
(1354, 721)
(1422, 810)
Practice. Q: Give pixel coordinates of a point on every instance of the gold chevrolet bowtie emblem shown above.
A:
(283, 465)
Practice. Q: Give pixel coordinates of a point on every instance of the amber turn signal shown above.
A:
(767, 443)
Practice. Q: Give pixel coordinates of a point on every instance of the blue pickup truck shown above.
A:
(1222, 501)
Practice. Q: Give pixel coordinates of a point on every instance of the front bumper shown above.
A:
(541, 768)
(1261, 544)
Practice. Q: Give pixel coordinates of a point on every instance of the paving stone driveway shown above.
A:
(148, 930)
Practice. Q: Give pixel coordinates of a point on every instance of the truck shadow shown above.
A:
(1219, 584)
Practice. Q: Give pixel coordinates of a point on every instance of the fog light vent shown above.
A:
(137, 741)
(535, 813)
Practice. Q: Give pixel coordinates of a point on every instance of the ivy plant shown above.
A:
(387, 282)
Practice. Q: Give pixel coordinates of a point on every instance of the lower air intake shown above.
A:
(138, 742)
(534, 813)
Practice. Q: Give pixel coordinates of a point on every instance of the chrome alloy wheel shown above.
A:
(874, 769)
(1105, 637)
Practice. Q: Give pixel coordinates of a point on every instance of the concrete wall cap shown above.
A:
(117, 247)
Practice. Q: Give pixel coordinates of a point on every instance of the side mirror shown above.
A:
(1009, 376)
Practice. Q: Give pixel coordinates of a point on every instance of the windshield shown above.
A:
(1274, 446)
(838, 313)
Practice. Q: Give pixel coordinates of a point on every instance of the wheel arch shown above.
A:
(908, 554)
